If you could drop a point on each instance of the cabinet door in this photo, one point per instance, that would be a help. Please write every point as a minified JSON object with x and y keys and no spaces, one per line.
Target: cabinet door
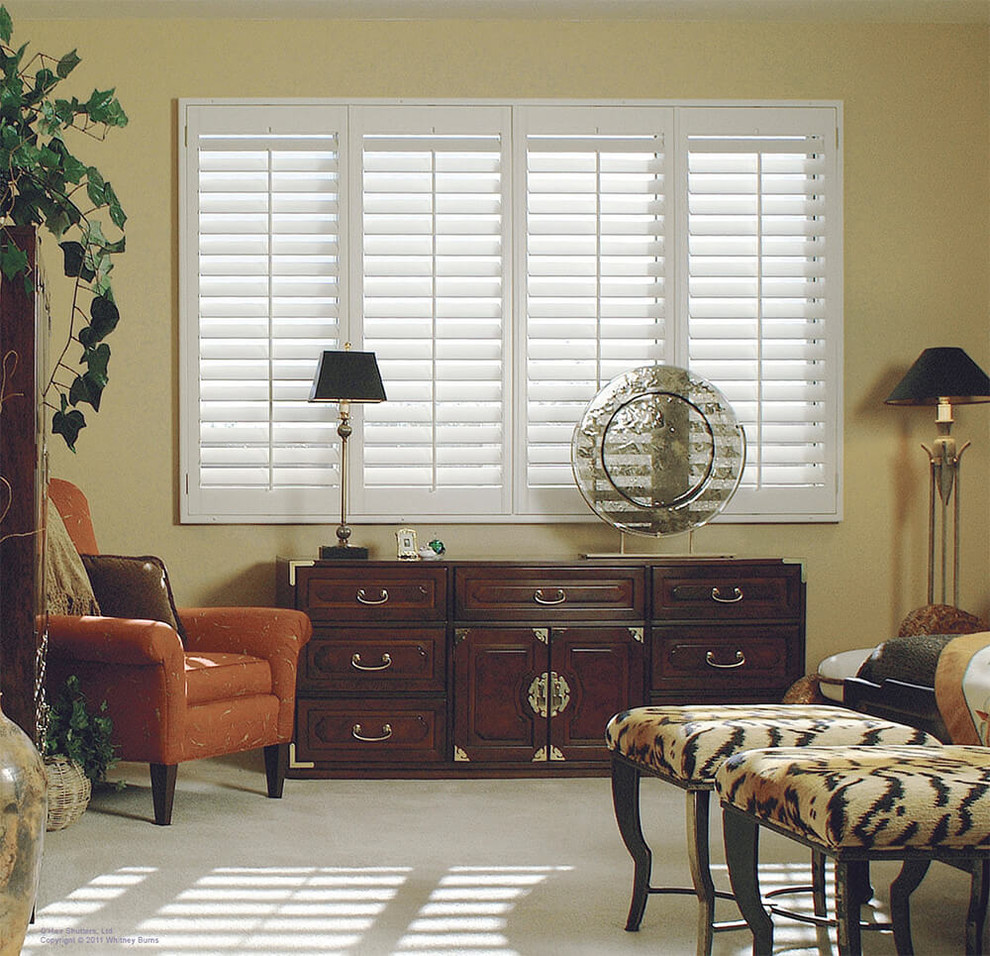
{"x":595,"y":672}
{"x":497,"y":694}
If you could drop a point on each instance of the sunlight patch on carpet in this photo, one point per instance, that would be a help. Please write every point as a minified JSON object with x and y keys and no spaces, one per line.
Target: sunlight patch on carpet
{"x":292,"y":911}
{"x":468,"y":911}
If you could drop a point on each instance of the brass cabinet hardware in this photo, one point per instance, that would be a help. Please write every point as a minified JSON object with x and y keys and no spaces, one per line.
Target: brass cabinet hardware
{"x":460,"y":755}
{"x":537,"y":695}
{"x":558,"y":598}
{"x":357,"y":732}
{"x":555,"y":754}
{"x":636,"y":633}
{"x":362,"y":597}
{"x":542,"y":634}
{"x":549,"y":694}
{"x":560,"y":694}
{"x":540,"y":755}
{"x":358,"y":666}
{"x":295,"y":763}
{"x":737,"y":596}
{"x":739,"y":661}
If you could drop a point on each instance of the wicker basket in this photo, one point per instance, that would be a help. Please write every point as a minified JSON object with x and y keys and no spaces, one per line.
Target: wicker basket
{"x":69,"y":790}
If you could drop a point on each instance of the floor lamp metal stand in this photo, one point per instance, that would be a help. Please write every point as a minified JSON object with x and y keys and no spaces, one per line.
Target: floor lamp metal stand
{"x":944,"y":478}
{"x":943,"y":377}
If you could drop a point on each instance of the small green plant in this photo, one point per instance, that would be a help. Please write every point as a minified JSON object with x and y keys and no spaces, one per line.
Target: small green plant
{"x":79,"y":735}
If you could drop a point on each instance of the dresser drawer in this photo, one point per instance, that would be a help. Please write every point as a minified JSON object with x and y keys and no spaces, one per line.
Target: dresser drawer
{"x":371,"y":731}
{"x":513,"y":593}
{"x":376,"y":660}
{"x":739,"y":591}
{"x":708,"y":660}
{"x":332,"y":594}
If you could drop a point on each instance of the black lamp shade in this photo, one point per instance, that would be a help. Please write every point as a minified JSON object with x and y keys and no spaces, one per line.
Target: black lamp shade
{"x":942,"y":373}
{"x":346,"y":376}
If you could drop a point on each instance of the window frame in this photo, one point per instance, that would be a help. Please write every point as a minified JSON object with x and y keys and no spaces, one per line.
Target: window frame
{"x":321,"y":505}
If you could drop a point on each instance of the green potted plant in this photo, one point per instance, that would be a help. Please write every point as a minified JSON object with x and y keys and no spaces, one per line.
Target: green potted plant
{"x":78,"y":753}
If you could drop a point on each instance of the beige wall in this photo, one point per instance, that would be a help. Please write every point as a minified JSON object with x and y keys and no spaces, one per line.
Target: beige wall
{"x":917,"y":200}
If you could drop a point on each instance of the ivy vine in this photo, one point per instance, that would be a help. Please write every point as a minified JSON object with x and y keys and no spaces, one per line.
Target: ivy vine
{"x":42,"y":184}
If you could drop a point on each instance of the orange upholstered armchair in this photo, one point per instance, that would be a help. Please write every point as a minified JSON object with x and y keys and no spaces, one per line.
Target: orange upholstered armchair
{"x":225,"y":684}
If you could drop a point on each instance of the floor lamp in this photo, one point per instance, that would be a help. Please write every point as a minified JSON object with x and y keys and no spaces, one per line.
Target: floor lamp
{"x":943,"y":377}
{"x":345,"y":377}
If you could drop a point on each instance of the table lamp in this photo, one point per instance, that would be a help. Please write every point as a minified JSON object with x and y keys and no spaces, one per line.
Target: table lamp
{"x":943,"y":377}
{"x":345,"y":377}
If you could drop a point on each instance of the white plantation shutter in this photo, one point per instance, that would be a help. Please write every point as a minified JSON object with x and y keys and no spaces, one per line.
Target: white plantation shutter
{"x":433,"y":309}
{"x":761,"y":282}
{"x":265,"y":293}
{"x":503,"y":261}
{"x":595,"y":273}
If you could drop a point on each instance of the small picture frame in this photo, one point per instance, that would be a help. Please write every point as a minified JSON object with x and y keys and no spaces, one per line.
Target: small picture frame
{"x":406,"y":544}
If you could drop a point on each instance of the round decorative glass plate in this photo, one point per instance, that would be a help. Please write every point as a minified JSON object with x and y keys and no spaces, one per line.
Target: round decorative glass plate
{"x":658,"y":451}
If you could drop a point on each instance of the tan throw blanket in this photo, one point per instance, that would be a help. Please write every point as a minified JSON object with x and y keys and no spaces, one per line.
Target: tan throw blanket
{"x":962,"y":688}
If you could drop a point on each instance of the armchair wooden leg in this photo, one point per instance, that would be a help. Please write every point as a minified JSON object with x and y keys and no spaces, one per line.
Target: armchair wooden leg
{"x":163,"y":791}
{"x":276,"y":763}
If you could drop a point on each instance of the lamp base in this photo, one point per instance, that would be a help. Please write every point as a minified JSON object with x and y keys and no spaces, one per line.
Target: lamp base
{"x":338,"y":552}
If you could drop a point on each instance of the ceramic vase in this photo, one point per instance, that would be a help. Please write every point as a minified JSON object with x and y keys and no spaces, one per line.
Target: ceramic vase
{"x":23,"y":813}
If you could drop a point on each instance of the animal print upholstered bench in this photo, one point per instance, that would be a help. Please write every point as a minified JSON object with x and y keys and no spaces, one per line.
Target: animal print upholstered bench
{"x":685,"y":745}
{"x":856,"y":805}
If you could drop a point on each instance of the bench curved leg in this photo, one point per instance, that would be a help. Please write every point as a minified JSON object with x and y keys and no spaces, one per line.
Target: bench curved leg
{"x":907,"y":881}
{"x":625,"y":800}
{"x":859,"y":882}
{"x":847,"y":926}
{"x":741,"y":834}
{"x":699,"y":860}
{"x":976,"y":917}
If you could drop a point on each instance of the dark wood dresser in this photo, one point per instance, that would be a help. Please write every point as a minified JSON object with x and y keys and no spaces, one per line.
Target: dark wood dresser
{"x":460,"y":668}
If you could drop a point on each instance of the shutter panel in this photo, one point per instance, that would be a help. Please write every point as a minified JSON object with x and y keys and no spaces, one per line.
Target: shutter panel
{"x":595,"y":273}
{"x":433,"y":311}
{"x":759,"y":289}
{"x":266,"y":297}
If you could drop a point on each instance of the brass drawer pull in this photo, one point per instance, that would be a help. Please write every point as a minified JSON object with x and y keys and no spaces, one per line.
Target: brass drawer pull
{"x":737,"y":596}
{"x":358,"y":666}
{"x":739,"y":661}
{"x":558,"y":599}
{"x":362,"y":597}
{"x":356,"y":733}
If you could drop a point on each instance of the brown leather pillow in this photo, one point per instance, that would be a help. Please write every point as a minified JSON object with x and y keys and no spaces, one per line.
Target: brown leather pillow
{"x":133,"y":587}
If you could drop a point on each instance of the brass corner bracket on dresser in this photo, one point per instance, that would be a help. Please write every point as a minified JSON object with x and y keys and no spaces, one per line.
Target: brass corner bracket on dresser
{"x":444,"y":668}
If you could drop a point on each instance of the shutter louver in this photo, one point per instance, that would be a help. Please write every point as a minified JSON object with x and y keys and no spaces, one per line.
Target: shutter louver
{"x":595,"y":279}
{"x":433,"y":312}
{"x":756,"y":299}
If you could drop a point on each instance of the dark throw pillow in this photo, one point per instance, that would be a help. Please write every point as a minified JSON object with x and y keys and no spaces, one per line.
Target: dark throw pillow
{"x":133,"y":587}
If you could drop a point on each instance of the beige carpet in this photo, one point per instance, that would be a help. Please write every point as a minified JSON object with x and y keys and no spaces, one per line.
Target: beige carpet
{"x":388,"y":867}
